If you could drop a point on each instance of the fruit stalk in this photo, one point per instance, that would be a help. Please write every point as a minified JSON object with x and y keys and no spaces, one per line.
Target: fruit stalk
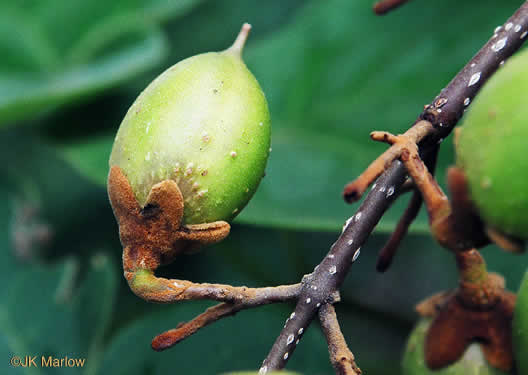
{"x":478,"y":289}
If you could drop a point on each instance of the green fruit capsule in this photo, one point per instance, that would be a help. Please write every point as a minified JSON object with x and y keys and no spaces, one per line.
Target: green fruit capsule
{"x":520,"y":328}
{"x":205,"y":124}
{"x":472,"y":362}
{"x":491,"y":149}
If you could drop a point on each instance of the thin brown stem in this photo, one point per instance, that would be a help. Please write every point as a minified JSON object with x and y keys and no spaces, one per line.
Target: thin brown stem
{"x":471,"y":266}
{"x":477,"y":287}
{"x":183,"y":330}
{"x":388,"y":251}
{"x":262,"y":296}
{"x":385,"y":6}
{"x":407,"y":186}
{"x":341,"y":356}
{"x":355,"y":189}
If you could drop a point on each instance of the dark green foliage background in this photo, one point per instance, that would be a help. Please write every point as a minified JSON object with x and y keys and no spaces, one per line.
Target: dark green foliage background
{"x":332,"y":73}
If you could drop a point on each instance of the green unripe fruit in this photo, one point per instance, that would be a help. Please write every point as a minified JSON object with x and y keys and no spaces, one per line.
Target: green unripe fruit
{"x":491,"y":149}
{"x":520,"y":328}
{"x":205,"y":124}
{"x":471,"y":363}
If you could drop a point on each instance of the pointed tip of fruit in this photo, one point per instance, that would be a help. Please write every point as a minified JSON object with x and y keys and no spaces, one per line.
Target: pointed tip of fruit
{"x":240,"y":41}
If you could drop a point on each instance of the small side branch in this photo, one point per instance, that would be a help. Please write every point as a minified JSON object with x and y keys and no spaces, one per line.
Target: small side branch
{"x":263,"y":296}
{"x":388,"y":251}
{"x":385,"y":6}
{"x":354,"y":190}
{"x":340,"y":355}
{"x":185,"y":329}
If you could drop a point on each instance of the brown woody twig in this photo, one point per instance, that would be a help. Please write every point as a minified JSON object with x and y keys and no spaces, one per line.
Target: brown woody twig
{"x":264,"y":296}
{"x":340,"y":355}
{"x":443,"y":113}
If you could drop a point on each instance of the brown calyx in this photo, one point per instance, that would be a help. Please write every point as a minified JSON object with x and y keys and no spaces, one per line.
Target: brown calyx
{"x":456,"y":326}
{"x":154,"y":234}
{"x":480,"y":310}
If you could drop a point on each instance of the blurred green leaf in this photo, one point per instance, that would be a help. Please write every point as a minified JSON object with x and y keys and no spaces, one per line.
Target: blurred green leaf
{"x":43,"y":189}
{"x":90,"y":157}
{"x":43,"y":313}
{"x":35,"y":320}
{"x":332,"y":75}
{"x":56,"y":52}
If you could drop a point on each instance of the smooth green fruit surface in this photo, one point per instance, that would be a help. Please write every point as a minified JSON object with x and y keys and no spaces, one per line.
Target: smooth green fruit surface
{"x":205,"y":124}
{"x":520,"y":328}
{"x":471,"y":363}
{"x":492,"y":148}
